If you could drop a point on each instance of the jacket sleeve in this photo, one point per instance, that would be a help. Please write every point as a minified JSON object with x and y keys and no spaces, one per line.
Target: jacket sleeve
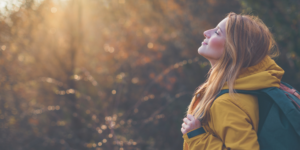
{"x":205,"y":141}
{"x":232,"y":127}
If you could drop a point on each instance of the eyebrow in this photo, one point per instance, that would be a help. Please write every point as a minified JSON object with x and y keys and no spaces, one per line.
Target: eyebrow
{"x":219,"y":28}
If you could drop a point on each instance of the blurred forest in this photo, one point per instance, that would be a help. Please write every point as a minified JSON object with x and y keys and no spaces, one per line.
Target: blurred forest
{"x":115,"y":74}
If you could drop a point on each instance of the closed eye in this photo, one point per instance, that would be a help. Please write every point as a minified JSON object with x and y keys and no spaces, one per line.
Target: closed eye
{"x":217,"y":32}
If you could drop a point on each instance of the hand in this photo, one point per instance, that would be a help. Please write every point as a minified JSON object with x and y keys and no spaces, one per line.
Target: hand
{"x":190,"y":123}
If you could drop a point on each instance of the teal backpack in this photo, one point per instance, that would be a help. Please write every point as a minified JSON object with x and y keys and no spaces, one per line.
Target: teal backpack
{"x":279,"y":117}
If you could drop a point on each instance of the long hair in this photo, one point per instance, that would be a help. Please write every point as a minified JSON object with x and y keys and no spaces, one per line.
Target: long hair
{"x":248,"y":41}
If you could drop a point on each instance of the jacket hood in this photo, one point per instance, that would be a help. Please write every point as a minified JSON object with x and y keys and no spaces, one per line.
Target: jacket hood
{"x":265,"y":74}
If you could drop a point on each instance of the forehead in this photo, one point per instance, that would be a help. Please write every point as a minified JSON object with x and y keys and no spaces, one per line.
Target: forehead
{"x":222,"y":24}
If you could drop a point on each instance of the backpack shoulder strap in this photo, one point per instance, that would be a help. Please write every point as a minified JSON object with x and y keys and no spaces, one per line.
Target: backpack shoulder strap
{"x":254,"y":92}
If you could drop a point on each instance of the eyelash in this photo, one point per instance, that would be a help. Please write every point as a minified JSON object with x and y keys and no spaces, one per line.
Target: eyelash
{"x":217,"y":32}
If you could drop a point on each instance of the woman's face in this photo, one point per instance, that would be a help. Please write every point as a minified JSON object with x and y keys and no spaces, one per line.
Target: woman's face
{"x":213,"y":45}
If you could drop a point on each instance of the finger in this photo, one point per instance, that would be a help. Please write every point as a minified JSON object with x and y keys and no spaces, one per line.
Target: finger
{"x":186,"y":126}
{"x":186,"y":120}
{"x":183,"y":131}
{"x":190,"y":117}
{"x":183,"y":124}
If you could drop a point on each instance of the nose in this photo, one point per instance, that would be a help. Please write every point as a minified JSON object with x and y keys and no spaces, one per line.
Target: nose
{"x":206,"y":34}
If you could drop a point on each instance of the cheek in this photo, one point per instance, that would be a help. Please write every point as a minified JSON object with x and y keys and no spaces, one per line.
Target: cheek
{"x":216,"y":44}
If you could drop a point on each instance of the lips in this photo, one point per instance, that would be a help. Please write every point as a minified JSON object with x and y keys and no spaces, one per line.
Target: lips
{"x":204,"y":43}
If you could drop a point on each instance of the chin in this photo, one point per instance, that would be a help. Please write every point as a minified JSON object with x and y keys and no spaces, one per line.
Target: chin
{"x":206,"y":56}
{"x":202,"y":52}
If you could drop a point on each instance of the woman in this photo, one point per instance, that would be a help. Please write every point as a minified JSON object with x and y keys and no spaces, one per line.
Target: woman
{"x":239,"y":49}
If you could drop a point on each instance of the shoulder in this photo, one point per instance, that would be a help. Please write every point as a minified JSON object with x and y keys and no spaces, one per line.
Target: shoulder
{"x":242,"y":102}
{"x":226,"y":111}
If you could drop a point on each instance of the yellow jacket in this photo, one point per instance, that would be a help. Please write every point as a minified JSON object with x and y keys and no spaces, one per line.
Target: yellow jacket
{"x":233,"y":123}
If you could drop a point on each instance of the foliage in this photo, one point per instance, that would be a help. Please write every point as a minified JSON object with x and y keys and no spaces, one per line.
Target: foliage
{"x":110,"y":74}
{"x":283,"y":19}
